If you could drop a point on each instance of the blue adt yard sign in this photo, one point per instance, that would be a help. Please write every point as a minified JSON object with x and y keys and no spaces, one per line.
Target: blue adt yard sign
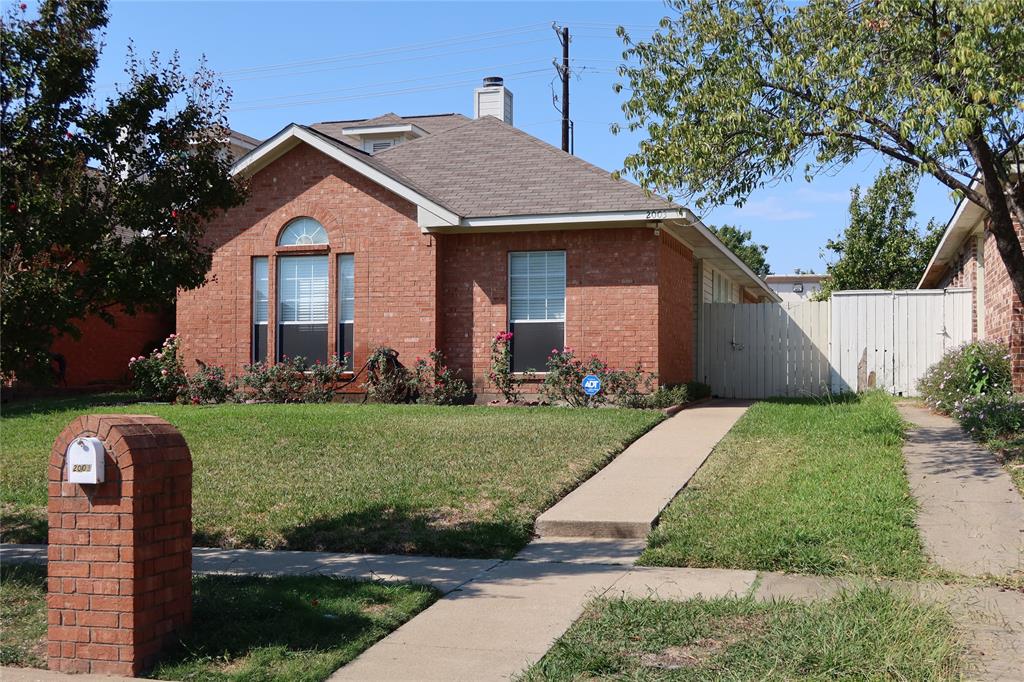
{"x":591,"y":384}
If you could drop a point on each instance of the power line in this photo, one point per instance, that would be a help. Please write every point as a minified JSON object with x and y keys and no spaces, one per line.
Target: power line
{"x":388,"y":93}
{"x":412,"y":47}
{"x":481,"y":69}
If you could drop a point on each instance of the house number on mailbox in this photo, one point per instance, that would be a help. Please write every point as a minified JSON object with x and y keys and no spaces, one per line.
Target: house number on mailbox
{"x":85,"y":460}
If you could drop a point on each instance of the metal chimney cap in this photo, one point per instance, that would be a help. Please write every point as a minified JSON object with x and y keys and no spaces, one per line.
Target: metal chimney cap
{"x":494,"y":82}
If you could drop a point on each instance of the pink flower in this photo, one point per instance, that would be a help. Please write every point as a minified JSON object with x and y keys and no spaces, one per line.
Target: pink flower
{"x":173,"y":336}
{"x":159,"y":356}
{"x":163,"y":372}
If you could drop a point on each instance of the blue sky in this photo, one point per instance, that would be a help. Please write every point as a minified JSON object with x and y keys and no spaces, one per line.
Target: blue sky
{"x":320,"y":61}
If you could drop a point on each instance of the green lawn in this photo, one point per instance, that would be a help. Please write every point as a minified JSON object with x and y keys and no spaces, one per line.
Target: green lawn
{"x":23,"y":615}
{"x":870,"y":634}
{"x":801,"y":486}
{"x":459,"y":481}
{"x":243,"y":628}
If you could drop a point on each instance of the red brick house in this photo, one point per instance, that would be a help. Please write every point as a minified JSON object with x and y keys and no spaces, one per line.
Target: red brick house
{"x":440,"y":232}
{"x":967,"y":257}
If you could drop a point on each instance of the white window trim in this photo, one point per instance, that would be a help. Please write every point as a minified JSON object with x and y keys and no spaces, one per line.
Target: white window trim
{"x":508,"y":306}
{"x":280,"y":301}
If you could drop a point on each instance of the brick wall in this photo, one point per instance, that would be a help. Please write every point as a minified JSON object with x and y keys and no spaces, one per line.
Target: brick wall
{"x":395,"y":264}
{"x":676,"y":343}
{"x":120,"y":552}
{"x":1004,"y":311}
{"x":101,"y":354}
{"x":415,"y":291}
{"x":611,"y":301}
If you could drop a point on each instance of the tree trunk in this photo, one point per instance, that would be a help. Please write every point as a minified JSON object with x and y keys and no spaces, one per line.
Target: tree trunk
{"x":1001,"y":212}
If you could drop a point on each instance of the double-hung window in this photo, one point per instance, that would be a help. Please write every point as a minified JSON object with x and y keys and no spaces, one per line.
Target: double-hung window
{"x":302,"y":295}
{"x":536,"y":285}
{"x":260,"y":309}
{"x":346,"y":308}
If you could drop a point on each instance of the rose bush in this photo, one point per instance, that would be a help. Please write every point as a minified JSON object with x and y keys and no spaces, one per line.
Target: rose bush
{"x":160,"y":375}
{"x":979,"y":368}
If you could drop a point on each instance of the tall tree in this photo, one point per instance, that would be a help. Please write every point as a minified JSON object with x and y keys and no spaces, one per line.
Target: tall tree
{"x":735,"y":94}
{"x":882,"y":247}
{"x":103,"y":202}
{"x":742,"y":244}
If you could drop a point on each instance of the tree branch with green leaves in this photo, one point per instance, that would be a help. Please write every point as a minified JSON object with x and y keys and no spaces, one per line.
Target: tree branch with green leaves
{"x":736,"y":95}
{"x":104,"y":201}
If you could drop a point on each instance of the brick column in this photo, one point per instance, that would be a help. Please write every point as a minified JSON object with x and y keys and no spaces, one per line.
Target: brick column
{"x":120,"y":552}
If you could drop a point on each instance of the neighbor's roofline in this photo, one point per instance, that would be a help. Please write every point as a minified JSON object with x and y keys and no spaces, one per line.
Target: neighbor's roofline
{"x":954,"y":230}
{"x":736,"y":260}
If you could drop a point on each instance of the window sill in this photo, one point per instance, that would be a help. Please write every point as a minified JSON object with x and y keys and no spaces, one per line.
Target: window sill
{"x":303,"y":248}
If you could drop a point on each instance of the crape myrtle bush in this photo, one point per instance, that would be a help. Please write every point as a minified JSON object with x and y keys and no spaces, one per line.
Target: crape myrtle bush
{"x":975,"y":369}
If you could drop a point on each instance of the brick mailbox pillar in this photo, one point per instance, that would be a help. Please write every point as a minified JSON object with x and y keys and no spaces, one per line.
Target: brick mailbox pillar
{"x":120,"y":553}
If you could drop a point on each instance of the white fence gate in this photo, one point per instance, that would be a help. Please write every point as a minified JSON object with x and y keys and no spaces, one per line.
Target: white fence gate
{"x":858,"y":340}
{"x":887,"y":339}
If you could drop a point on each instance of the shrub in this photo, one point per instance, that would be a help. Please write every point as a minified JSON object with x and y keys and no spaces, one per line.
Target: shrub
{"x":992,"y":416}
{"x":564,"y":379}
{"x":668,"y":396}
{"x":160,"y":376}
{"x":387,"y":379}
{"x":695,"y":390}
{"x":281,"y":382}
{"x":206,"y":386}
{"x":979,"y":368}
{"x":438,"y":383}
{"x":629,"y":388}
{"x":322,"y":379}
{"x":501,"y":374}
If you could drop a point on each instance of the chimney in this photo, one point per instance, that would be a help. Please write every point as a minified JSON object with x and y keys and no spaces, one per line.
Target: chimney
{"x":493,"y":99}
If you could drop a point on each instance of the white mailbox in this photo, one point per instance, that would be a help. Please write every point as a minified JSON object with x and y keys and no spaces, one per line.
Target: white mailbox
{"x":85,"y":460}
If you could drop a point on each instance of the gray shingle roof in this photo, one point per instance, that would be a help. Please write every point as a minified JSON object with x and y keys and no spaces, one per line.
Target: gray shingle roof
{"x":433,"y":124}
{"x":483,"y":168}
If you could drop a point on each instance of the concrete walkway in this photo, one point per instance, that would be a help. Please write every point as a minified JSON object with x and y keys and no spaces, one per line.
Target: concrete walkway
{"x":624,"y":499}
{"x":971,"y":516}
{"x":441,"y":573}
{"x":494,"y":625}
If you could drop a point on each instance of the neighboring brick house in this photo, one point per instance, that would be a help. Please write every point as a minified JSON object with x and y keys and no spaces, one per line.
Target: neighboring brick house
{"x":99,"y":357}
{"x":440,"y":232}
{"x":967,"y":257}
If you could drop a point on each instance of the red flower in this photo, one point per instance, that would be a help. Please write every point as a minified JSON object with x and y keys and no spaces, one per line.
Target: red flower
{"x":174,"y":213}
{"x":12,"y":207}
{"x":23,"y":7}
{"x":69,"y":134}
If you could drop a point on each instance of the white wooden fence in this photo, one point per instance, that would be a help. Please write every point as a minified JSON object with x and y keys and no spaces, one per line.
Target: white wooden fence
{"x":858,"y":340}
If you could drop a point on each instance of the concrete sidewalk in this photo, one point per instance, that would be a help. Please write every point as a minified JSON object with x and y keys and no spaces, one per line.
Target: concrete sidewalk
{"x":971,"y":516}
{"x":495,"y":625}
{"x":625,"y":499}
{"x":440,"y":573}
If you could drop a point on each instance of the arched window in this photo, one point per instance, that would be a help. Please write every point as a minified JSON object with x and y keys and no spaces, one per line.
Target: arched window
{"x":302,"y":232}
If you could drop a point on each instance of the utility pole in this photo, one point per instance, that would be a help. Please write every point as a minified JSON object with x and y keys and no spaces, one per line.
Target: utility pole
{"x":564,"y":73}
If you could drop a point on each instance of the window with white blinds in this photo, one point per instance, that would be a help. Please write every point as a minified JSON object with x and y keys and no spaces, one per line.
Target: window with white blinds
{"x":260,"y":308}
{"x":302,"y":287}
{"x":536,"y":286}
{"x":346,"y":308}
{"x":346,"y":288}
{"x":536,"y":308}
{"x":260,"y":291}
